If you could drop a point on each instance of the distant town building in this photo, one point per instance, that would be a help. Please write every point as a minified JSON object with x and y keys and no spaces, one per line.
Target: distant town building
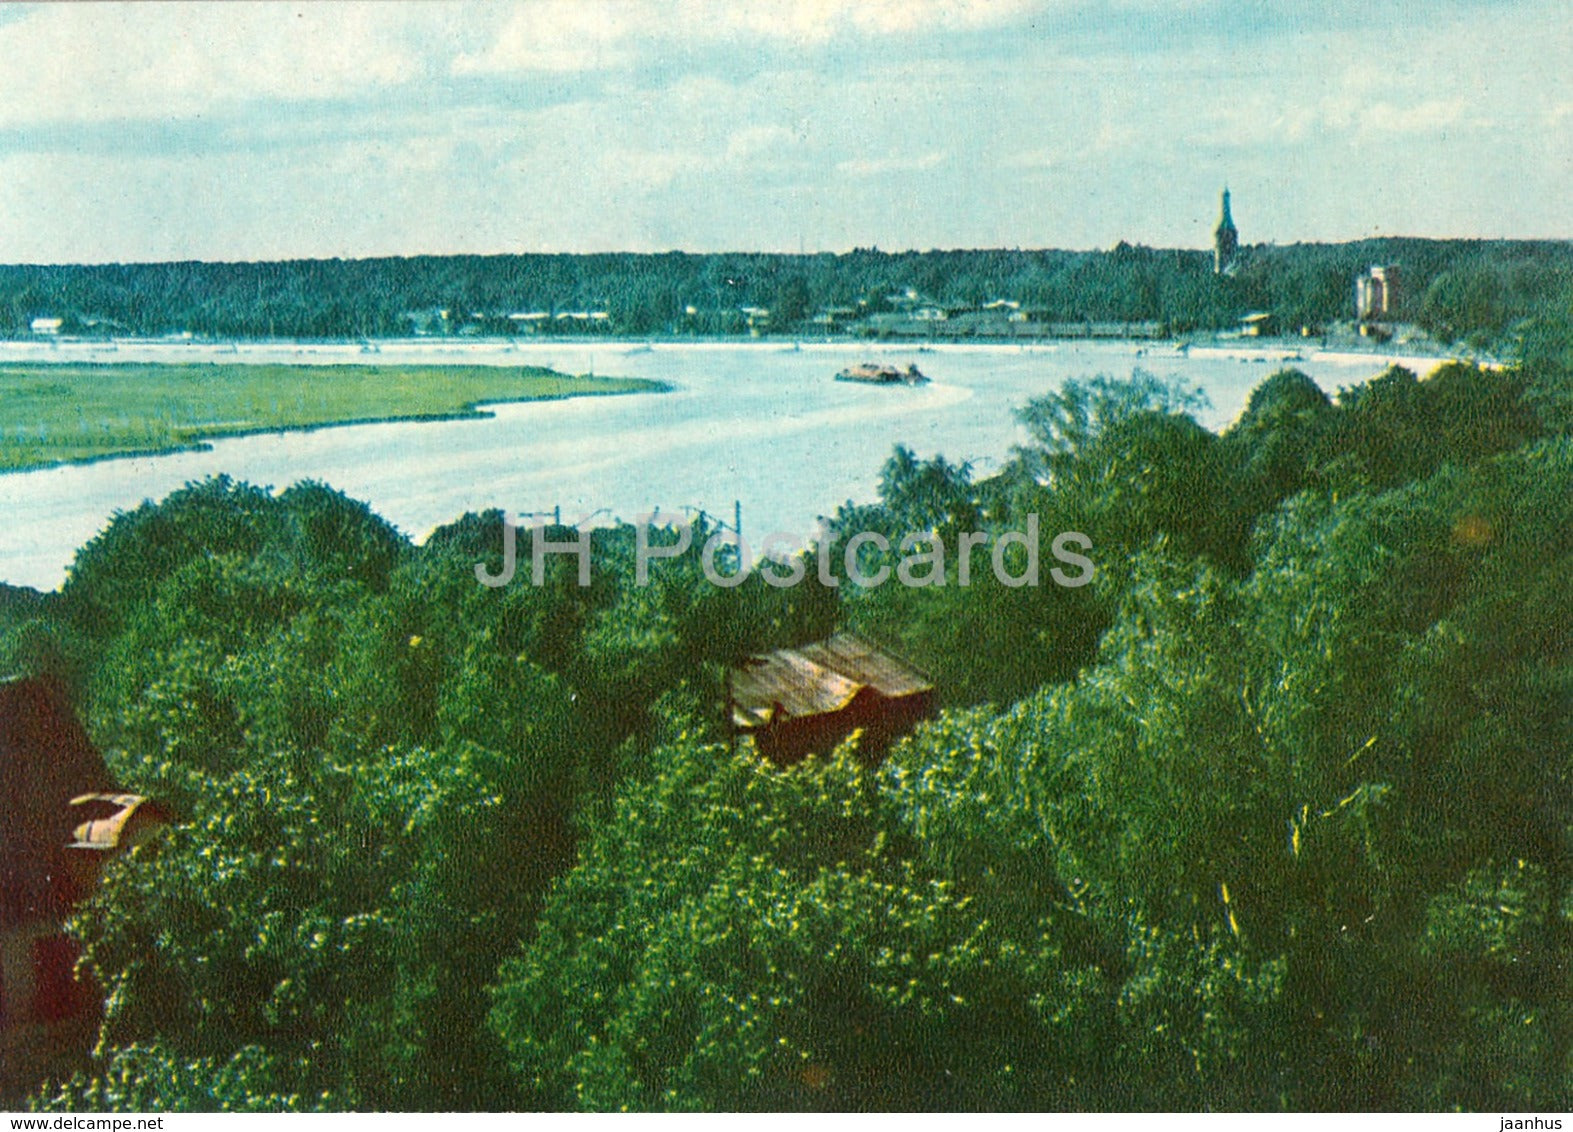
{"x":1257,"y":324}
{"x":1226,"y":241}
{"x":1376,"y":293}
{"x":833,"y":317}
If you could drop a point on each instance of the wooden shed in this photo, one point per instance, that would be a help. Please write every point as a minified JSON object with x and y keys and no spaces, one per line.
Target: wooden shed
{"x":62,"y":820}
{"x":46,"y":760}
{"x":803,"y":701}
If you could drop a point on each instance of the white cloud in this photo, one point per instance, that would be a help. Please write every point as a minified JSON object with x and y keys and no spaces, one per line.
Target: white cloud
{"x":756,"y":143}
{"x":1432,"y":115}
{"x":1031,"y":159}
{"x":577,"y":35}
{"x":560,"y":36}
{"x":648,"y":168}
{"x":97,"y":62}
{"x":884,"y":17}
{"x":884,"y":166}
{"x":242,"y":130}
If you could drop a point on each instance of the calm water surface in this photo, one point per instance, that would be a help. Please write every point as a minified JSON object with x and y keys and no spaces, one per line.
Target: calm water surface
{"x":760,"y":423}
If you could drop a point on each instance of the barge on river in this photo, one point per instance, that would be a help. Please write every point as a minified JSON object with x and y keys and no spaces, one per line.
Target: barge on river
{"x":870,"y":373}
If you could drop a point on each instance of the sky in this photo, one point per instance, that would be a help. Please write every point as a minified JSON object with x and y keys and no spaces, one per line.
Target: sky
{"x":242,"y":131}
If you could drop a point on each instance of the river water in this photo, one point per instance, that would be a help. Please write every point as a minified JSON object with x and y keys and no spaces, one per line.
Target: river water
{"x":760,"y":424}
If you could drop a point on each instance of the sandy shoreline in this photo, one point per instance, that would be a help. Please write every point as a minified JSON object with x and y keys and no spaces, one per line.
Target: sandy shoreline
{"x":512,"y":351}
{"x":1421,"y":364}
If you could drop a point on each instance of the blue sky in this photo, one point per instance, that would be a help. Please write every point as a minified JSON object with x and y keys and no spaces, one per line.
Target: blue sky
{"x":261,"y":131}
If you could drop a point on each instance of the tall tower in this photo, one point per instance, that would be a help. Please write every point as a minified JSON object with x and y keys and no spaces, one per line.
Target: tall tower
{"x":1226,"y":241}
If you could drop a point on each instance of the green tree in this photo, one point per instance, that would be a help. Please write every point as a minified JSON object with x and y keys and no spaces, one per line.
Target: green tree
{"x":740,"y":938}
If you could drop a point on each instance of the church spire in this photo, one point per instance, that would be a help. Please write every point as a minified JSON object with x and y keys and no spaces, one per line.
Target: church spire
{"x":1226,"y":241}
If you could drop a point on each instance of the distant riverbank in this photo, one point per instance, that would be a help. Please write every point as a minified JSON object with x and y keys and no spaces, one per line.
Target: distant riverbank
{"x":80,"y":412}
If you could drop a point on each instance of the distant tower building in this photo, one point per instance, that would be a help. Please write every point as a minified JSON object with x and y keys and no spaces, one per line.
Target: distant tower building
{"x":1226,"y":241}
{"x":1376,"y":293}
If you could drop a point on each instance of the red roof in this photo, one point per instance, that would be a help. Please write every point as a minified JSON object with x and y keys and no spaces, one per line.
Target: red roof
{"x":46,"y":760}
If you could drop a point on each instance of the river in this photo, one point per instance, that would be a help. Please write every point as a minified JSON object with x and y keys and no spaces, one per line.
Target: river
{"x":761,"y":424}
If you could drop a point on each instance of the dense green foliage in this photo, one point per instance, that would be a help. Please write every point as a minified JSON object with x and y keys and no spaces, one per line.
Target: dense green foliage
{"x":59,"y":413}
{"x":1273,"y":813}
{"x":1455,"y":289}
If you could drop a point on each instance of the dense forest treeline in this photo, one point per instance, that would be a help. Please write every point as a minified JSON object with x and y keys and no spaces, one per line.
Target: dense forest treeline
{"x":1274,"y":814}
{"x":1454,"y":289}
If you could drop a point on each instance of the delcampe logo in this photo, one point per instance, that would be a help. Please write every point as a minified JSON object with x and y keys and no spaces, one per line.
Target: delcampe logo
{"x":781,"y":564}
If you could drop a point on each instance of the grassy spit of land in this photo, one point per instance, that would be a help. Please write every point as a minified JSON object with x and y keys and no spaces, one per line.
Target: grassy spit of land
{"x":56,"y":414}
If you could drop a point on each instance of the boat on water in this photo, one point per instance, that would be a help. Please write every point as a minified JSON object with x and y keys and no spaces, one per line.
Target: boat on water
{"x":870,"y":373}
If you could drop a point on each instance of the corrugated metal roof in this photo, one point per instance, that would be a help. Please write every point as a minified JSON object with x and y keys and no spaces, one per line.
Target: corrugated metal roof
{"x":855,"y":658}
{"x":817,"y":679}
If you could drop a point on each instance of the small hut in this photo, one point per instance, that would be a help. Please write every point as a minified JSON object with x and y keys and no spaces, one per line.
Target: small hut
{"x":46,"y":760}
{"x":803,"y":701}
{"x":62,"y":820}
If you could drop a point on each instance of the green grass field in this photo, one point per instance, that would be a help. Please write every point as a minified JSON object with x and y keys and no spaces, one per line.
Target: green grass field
{"x":53,"y":414}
